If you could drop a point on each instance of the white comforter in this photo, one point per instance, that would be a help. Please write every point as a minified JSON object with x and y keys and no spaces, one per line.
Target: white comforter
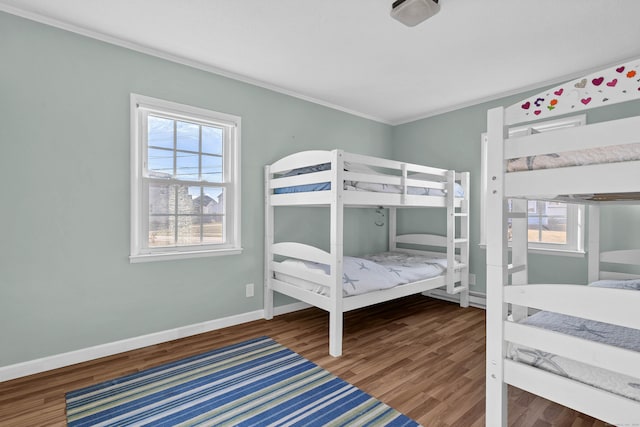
{"x":372,"y":273}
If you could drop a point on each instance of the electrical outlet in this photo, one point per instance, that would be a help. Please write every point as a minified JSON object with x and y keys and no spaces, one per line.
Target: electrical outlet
{"x":472,"y":279}
{"x":248,"y":290}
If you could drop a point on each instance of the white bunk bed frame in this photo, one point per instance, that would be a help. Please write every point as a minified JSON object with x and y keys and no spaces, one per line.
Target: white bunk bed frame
{"x":509,"y":295}
{"x":456,"y":278}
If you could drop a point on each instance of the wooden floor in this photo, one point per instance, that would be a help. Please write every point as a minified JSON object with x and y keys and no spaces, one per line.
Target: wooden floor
{"x":422,"y":356}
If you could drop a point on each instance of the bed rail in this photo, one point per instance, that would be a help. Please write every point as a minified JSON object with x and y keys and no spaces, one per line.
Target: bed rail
{"x":301,"y":159}
{"x":616,"y":359}
{"x":601,"y":404}
{"x":588,"y":302}
{"x":625,"y":131}
{"x":301,"y":251}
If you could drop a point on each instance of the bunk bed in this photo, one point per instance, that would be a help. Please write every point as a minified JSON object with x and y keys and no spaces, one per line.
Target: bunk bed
{"x":528,"y":343}
{"x":337,"y":180}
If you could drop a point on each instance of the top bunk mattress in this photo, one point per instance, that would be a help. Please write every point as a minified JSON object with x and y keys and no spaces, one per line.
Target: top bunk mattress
{"x":609,"y":154}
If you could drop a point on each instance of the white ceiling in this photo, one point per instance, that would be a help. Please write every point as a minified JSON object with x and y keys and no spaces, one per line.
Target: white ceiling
{"x":353,"y":56}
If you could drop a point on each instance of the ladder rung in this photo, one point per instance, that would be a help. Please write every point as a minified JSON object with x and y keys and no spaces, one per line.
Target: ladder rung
{"x":517,"y":215}
{"x":516,"y":268}
{"x":457,"y":289}
{"x":461,"y":214}
{"x":456,"y":241}
{"x":460,"y":266}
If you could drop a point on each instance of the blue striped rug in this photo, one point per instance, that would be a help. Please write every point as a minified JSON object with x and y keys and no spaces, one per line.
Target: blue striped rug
{"x":255,"y":383}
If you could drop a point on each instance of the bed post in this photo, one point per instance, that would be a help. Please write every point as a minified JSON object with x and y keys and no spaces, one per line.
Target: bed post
{"x":496,"y":389}
{"x":336,"y":243}
{"x":268,"y":242}
{"x":393,"y":229}
{"x":594,"y":243}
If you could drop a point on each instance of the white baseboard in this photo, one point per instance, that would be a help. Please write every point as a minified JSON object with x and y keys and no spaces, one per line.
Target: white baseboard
{"x":475,"y":300}
{"x":48,"y":363}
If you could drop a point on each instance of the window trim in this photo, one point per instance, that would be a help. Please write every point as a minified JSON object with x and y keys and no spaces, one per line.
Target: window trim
{"x":141,"y":105}
{"x":575,"y":212}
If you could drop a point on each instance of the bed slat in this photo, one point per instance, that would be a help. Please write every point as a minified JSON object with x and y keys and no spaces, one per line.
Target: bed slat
{"x":591,"y":179}
{"x":298,"y":273}
{"x":422,"y":239}
{"x":628,"y":256}
{"x":615,"y":359}
{"x":307,"y":178}
{"x":575,"y":138}
{"x":301,"y":251}
{"x":610,"y":407}
{"x":301,"y":159}
{"x":615,"y":306}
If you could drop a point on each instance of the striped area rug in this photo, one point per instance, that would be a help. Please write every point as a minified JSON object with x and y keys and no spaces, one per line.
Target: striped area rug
{"x":255,"y":383}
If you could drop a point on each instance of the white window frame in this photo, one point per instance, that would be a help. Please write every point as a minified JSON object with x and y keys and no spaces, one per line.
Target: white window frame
{"x":574,"y":245}
{"x":141,"y":106}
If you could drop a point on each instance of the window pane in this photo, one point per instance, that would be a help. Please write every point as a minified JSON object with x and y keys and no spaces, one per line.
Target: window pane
{"x":187,"y":166}
{"x":161,"y":199}
{"x":212,"y":227}
{"x":188,"y":230}
{"x":161,"y":231}
{"x":188,"y":136}
{"x":547,"y":222}
{"x":211,"y":140}
{"x":160,"y":132}
{"x":160,"y":163}
{"x":211,"y":168}
{"x":213,"y":201}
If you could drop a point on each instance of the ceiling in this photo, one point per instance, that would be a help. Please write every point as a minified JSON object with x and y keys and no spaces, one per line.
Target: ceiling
{"x":351,"y":55}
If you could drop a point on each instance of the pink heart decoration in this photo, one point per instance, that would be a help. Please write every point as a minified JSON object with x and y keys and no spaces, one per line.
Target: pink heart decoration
{"x":585,"y":101}
{"x":612,"y":83}
{"x":537,"y":112}
{"x":526,"y":105}
{"x":597,"y":81}
{"x":620,"y":69}
{"x":559,"y":92}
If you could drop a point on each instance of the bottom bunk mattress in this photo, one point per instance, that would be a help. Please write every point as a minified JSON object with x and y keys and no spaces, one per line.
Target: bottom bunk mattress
{"x":604,"y":333}
{"x":370,"y":273}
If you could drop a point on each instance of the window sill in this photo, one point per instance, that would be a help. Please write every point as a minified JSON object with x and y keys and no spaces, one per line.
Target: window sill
{"x":545,"y":251}
{"x":176,"y":255}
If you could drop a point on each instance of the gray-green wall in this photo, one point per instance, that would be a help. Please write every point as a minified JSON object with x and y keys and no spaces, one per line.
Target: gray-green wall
{"x":65,"y":279}
{"x":452,"y":141}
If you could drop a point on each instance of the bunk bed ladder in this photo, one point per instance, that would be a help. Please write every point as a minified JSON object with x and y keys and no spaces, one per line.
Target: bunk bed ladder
{"x":458,"y":239}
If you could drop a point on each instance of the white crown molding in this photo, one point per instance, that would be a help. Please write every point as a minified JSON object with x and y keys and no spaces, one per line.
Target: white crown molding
{"x":56,"y":361}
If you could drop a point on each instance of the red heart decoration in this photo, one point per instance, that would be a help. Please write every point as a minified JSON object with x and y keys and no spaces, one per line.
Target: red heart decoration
{"x":537,"y":112}
{"x":597,"y":81}
{"x":559,"y":92}
{"x":620,"y":69}
{"x":526,"y":105}
{"x":585,"y":101}
{"x":612,"y":83}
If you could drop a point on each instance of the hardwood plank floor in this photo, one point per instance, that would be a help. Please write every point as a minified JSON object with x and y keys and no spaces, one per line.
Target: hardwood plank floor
{"x":422,"y":356}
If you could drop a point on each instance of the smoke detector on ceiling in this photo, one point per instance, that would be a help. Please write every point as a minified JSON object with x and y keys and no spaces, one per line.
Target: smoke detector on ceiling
{"x":413,"y":12}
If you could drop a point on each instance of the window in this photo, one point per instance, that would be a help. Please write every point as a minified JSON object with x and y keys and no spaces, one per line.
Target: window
{"x":185,"y":182}
{"x":552,"y":226}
